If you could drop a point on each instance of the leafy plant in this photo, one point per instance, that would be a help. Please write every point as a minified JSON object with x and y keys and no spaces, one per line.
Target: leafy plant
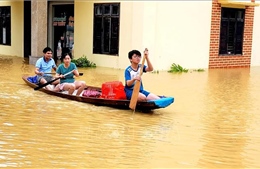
{"x":199,"y":70}
{"x":177,"y":68}
{"x":155,"y":71}
{"x":83,"y":62}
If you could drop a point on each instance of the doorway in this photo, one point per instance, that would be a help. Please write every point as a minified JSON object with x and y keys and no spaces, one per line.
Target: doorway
{"x":61,"y":36}
{"x":27,"y":29}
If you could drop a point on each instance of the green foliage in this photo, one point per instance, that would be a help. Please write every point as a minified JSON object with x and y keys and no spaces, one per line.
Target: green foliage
{"x":199,"y":70}
{"x":177,"y":68}
{"x":83,"y":62}
{"x":155,"y":71}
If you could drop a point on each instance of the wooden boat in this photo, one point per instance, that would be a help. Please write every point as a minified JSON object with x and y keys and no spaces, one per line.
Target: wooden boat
{"x":120,"y":104}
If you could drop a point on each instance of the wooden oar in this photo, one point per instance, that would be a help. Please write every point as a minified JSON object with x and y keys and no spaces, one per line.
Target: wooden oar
{"x":136,"y":90}
{"x":55,"y":73}
{"x":50,"y":82}
{"x":50,"y":73}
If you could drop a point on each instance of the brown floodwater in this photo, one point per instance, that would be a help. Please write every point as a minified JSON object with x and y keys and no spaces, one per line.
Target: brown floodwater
{"x":214,"y":122}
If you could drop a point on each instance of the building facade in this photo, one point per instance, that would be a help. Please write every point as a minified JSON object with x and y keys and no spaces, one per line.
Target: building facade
{"x":193,"y":34}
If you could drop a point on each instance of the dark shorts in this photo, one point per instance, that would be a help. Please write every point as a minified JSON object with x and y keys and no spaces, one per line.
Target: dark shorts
{"x":129,"y":92}
{"x":47,"y":78}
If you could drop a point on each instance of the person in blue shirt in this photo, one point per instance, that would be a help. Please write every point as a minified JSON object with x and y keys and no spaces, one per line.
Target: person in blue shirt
{"x":43,"y":68}
{"x":68,"y":82}
{"x":132,"y":74}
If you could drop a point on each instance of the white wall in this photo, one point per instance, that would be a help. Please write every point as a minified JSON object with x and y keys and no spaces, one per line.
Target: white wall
{"x":16,"y":48}
{"x":255,"y":57}
{"x":183,"y":34}
{"x":173,"y":31}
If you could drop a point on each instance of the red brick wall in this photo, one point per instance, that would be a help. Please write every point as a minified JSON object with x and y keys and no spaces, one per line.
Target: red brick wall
{"x":230,"y":61}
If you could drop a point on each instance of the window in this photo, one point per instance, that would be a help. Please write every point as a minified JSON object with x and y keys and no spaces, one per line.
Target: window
{"x":231,"y":31}
{"x":106,"y":28}
{"x":5,"y":25}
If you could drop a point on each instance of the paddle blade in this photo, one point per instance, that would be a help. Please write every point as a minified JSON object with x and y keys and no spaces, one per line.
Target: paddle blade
{"x":135,"y":94}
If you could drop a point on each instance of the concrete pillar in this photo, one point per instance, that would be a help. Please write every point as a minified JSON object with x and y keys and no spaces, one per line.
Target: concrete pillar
{"x":39,"y":29}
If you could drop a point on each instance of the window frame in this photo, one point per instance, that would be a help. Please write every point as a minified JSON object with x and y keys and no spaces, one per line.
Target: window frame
{"x":237,"y":47}
{"x":105,"y":33}
{"x":5,"y":18}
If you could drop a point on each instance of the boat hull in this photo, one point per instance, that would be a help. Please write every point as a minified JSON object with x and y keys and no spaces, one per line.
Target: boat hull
{"x":119,"y":104}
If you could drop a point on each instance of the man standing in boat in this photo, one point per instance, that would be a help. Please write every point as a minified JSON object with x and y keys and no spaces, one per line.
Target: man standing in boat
{"x":43,"y":68}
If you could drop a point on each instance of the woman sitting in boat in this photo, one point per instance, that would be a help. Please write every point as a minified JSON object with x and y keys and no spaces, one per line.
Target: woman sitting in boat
{"x":68,"y":83}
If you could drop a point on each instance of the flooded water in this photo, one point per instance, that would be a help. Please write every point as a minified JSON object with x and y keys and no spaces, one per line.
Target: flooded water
{"x":214,"y":122}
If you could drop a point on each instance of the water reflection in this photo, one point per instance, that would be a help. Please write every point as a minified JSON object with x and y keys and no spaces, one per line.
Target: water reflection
{"x":226,"y":119}
{"x":214,"y":122}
